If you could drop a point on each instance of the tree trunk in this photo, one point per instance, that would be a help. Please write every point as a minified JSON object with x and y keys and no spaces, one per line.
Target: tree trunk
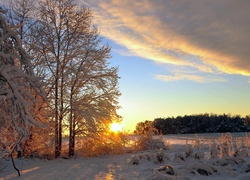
{"x":71,"y":138}
{"x":61,"y":102}
{"x":71,"y":152}
{"x":57,"y":150}
{"x":73,"y":135}
{"x":60,"y":135}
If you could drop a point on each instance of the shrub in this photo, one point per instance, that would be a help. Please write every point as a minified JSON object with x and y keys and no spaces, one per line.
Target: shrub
{"x":108,"y":143}
{"x":148,"y":142}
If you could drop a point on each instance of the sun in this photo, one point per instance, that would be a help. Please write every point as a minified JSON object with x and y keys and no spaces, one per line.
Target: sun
{"x":116,"y":127}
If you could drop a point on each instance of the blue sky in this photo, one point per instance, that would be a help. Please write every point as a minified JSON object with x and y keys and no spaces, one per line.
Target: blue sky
{"x":178,"y":57}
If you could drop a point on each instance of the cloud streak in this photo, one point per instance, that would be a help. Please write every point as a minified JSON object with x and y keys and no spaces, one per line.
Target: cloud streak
{"x":190,"y":77}
{"x":210,"y":36}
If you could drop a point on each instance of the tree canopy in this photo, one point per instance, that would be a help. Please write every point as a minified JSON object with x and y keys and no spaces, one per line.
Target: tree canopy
{"x":199,"y":123}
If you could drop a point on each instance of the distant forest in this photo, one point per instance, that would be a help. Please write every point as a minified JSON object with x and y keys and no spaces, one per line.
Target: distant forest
{"x":201,"y":123}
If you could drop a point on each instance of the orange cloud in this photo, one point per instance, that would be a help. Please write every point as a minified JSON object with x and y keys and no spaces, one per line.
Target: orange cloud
{"x":215,"y":34}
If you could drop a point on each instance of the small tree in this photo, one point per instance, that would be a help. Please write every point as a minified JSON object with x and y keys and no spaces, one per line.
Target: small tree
{"x":20,"y":89}
{"x":143,"y":127}
{"x":247,"y":121}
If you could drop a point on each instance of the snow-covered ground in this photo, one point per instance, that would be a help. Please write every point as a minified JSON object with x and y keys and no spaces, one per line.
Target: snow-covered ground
{"x":171,"y":163}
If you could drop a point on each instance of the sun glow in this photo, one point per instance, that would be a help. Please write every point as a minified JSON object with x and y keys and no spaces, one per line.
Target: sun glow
{"x":116,"y":127}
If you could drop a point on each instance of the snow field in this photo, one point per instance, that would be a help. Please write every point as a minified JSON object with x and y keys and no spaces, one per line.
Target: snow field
{"x":194,"y":158}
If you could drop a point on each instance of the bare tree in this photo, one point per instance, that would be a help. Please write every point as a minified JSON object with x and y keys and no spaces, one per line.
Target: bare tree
{"x":20,"y":13}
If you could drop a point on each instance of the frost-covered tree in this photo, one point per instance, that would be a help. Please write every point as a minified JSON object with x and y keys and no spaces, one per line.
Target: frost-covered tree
{"x":143,"y":127}
{"x":20,"y":89}
{"x":82,"y":88}
{"x":93,"y":92}
{"x":20,"y":14}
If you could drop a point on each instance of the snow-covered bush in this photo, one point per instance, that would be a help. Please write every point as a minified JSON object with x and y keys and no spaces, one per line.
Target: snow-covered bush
{"x":189,"y":150}
{"x":149,"y":141}
{"x":241,"y":153}
{"x":179,"y":157}
{"x":225,"y":144}
{"x":199,"y":155}
{"x":204,"y":169}
{"x":165,"y":172}
{"x":197,"y":143}
{"x":134,"y":160}
{"x":156,"y":157}
{"x":150,"y":144}
{"x":247,"y":141}
{"x":159,"y":157}
{"x":240,"y":142}
{"x":214,"y":151}
{"x":229,"y":161}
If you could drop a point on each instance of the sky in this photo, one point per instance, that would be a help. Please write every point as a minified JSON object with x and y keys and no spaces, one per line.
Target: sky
{"x":177,"y":57}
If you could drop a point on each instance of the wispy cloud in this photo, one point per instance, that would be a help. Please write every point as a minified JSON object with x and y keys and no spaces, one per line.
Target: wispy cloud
{"x":190,"y":77}
{"x":210,"y":36}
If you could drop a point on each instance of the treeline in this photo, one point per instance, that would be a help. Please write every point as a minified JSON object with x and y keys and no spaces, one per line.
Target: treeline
{"x":201,"y":123}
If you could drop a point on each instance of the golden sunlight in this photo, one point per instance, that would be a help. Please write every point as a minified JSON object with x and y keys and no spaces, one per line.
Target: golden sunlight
{"x":116,"y":127}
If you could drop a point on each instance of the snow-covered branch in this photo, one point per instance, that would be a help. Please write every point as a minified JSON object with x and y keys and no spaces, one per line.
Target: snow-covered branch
{"x":19,"y":88}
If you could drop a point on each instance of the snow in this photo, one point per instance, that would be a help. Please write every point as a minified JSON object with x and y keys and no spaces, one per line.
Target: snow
{"x":179,"y":161}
